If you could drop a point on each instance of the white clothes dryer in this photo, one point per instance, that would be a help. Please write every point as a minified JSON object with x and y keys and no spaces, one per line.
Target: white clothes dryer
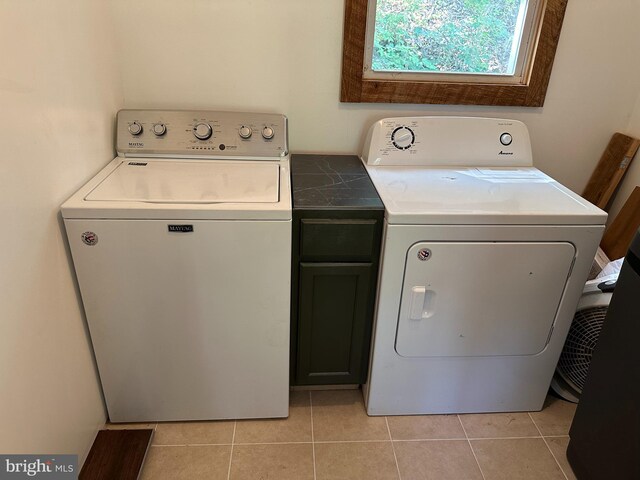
{"x":182,"y":249}
{"x":484,"y":260}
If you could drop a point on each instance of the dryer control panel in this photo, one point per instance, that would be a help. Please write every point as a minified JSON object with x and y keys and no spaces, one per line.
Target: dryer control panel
{"x":201,"y":134}
{"x":448,"y":141}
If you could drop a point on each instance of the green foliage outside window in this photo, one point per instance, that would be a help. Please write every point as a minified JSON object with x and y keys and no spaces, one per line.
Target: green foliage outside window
{"x":457,"y":36}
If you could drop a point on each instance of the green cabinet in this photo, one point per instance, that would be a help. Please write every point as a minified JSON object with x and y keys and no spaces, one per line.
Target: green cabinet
{"x":337,"y":232}
{"x":335,"y":269}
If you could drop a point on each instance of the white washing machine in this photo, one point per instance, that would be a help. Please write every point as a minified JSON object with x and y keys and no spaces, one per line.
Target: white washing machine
{"x":182,"y":248}
{"x":484,"y":260}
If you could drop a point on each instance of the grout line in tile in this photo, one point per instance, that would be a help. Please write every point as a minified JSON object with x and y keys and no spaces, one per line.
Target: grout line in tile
{"x":473,"y":439}
{"x":395,"y":457}
{"x":233,"y":439}
{"x":194,"y":445}
{"x":444,"y":439}
{"x":230,"y":444}
{"x":534,"y":423}
{"x":471,"y":447}
{"x":243,"y":444}
{"x":352,"y":441}
{"x":548,"y":447}
{"x":428,"y":439}
{"x":313,"y":443}
{"x":503,"y":438}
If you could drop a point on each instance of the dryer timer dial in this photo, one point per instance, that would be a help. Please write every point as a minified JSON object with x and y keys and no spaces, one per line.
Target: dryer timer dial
{"x":403,"y":138}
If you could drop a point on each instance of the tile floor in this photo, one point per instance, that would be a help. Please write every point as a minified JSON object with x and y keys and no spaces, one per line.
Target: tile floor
{"x":328,"y":436}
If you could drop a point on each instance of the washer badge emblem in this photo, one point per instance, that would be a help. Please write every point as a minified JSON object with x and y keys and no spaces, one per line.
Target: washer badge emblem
{"x":89,"y":238}
{"x":424,"y":254}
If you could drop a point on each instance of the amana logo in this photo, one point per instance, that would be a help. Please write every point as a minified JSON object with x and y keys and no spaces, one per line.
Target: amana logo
{"x":505,"y":153}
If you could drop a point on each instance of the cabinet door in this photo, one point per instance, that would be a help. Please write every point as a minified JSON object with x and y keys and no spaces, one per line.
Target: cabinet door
{"x":334,"y":304}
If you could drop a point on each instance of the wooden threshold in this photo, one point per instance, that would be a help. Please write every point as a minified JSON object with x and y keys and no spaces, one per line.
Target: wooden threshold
{"x":117,"y":455}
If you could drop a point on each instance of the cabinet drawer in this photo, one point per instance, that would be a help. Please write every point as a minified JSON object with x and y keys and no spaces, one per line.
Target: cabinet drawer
{"x":337,"y":240}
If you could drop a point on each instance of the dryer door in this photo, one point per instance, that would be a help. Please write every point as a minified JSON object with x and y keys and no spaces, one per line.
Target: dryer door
{"x":481,"y":298}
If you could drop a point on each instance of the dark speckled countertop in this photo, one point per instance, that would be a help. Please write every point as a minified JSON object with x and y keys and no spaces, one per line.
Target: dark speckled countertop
{"x":332,"y":181}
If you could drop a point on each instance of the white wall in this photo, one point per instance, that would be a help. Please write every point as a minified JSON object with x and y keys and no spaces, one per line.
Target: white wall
{"x":285,"y":56}
{"x":634,"y":122}
{"x":59,"y":91}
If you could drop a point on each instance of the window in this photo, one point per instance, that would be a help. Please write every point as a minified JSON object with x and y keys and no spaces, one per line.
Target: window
{"x":483,"y":52}
{"x":459,"y":40}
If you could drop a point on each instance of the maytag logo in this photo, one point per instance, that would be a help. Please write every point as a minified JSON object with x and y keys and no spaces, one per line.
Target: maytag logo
{"x":54,"y":467}
{"x":181,"y":228}
{"x":505,"y":153}
{"x":136,"y":144}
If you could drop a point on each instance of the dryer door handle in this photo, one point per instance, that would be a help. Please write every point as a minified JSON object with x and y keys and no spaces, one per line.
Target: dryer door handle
{"x":422,"y":302}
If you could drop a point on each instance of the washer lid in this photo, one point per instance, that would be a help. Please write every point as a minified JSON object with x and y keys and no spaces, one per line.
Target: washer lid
{"x":189,"y":182}
{"x":450,"y":196}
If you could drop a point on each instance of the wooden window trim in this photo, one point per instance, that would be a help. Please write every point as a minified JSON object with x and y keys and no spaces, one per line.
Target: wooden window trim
{"x":355,"y":89}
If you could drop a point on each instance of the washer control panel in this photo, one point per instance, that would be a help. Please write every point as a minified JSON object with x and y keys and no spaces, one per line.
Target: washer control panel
{"x":211,"y":134}
{"x":446,"y":141}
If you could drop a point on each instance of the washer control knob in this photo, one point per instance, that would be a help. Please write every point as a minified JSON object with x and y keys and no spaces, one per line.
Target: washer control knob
{"x":159,"y":129}
{"x":135,"y":128}
{"x":245,"y":132}
{"x":506,"y":139}
{"x":202,"y":131}
{"x":403,"y":138}
{"x":268,"y":133}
